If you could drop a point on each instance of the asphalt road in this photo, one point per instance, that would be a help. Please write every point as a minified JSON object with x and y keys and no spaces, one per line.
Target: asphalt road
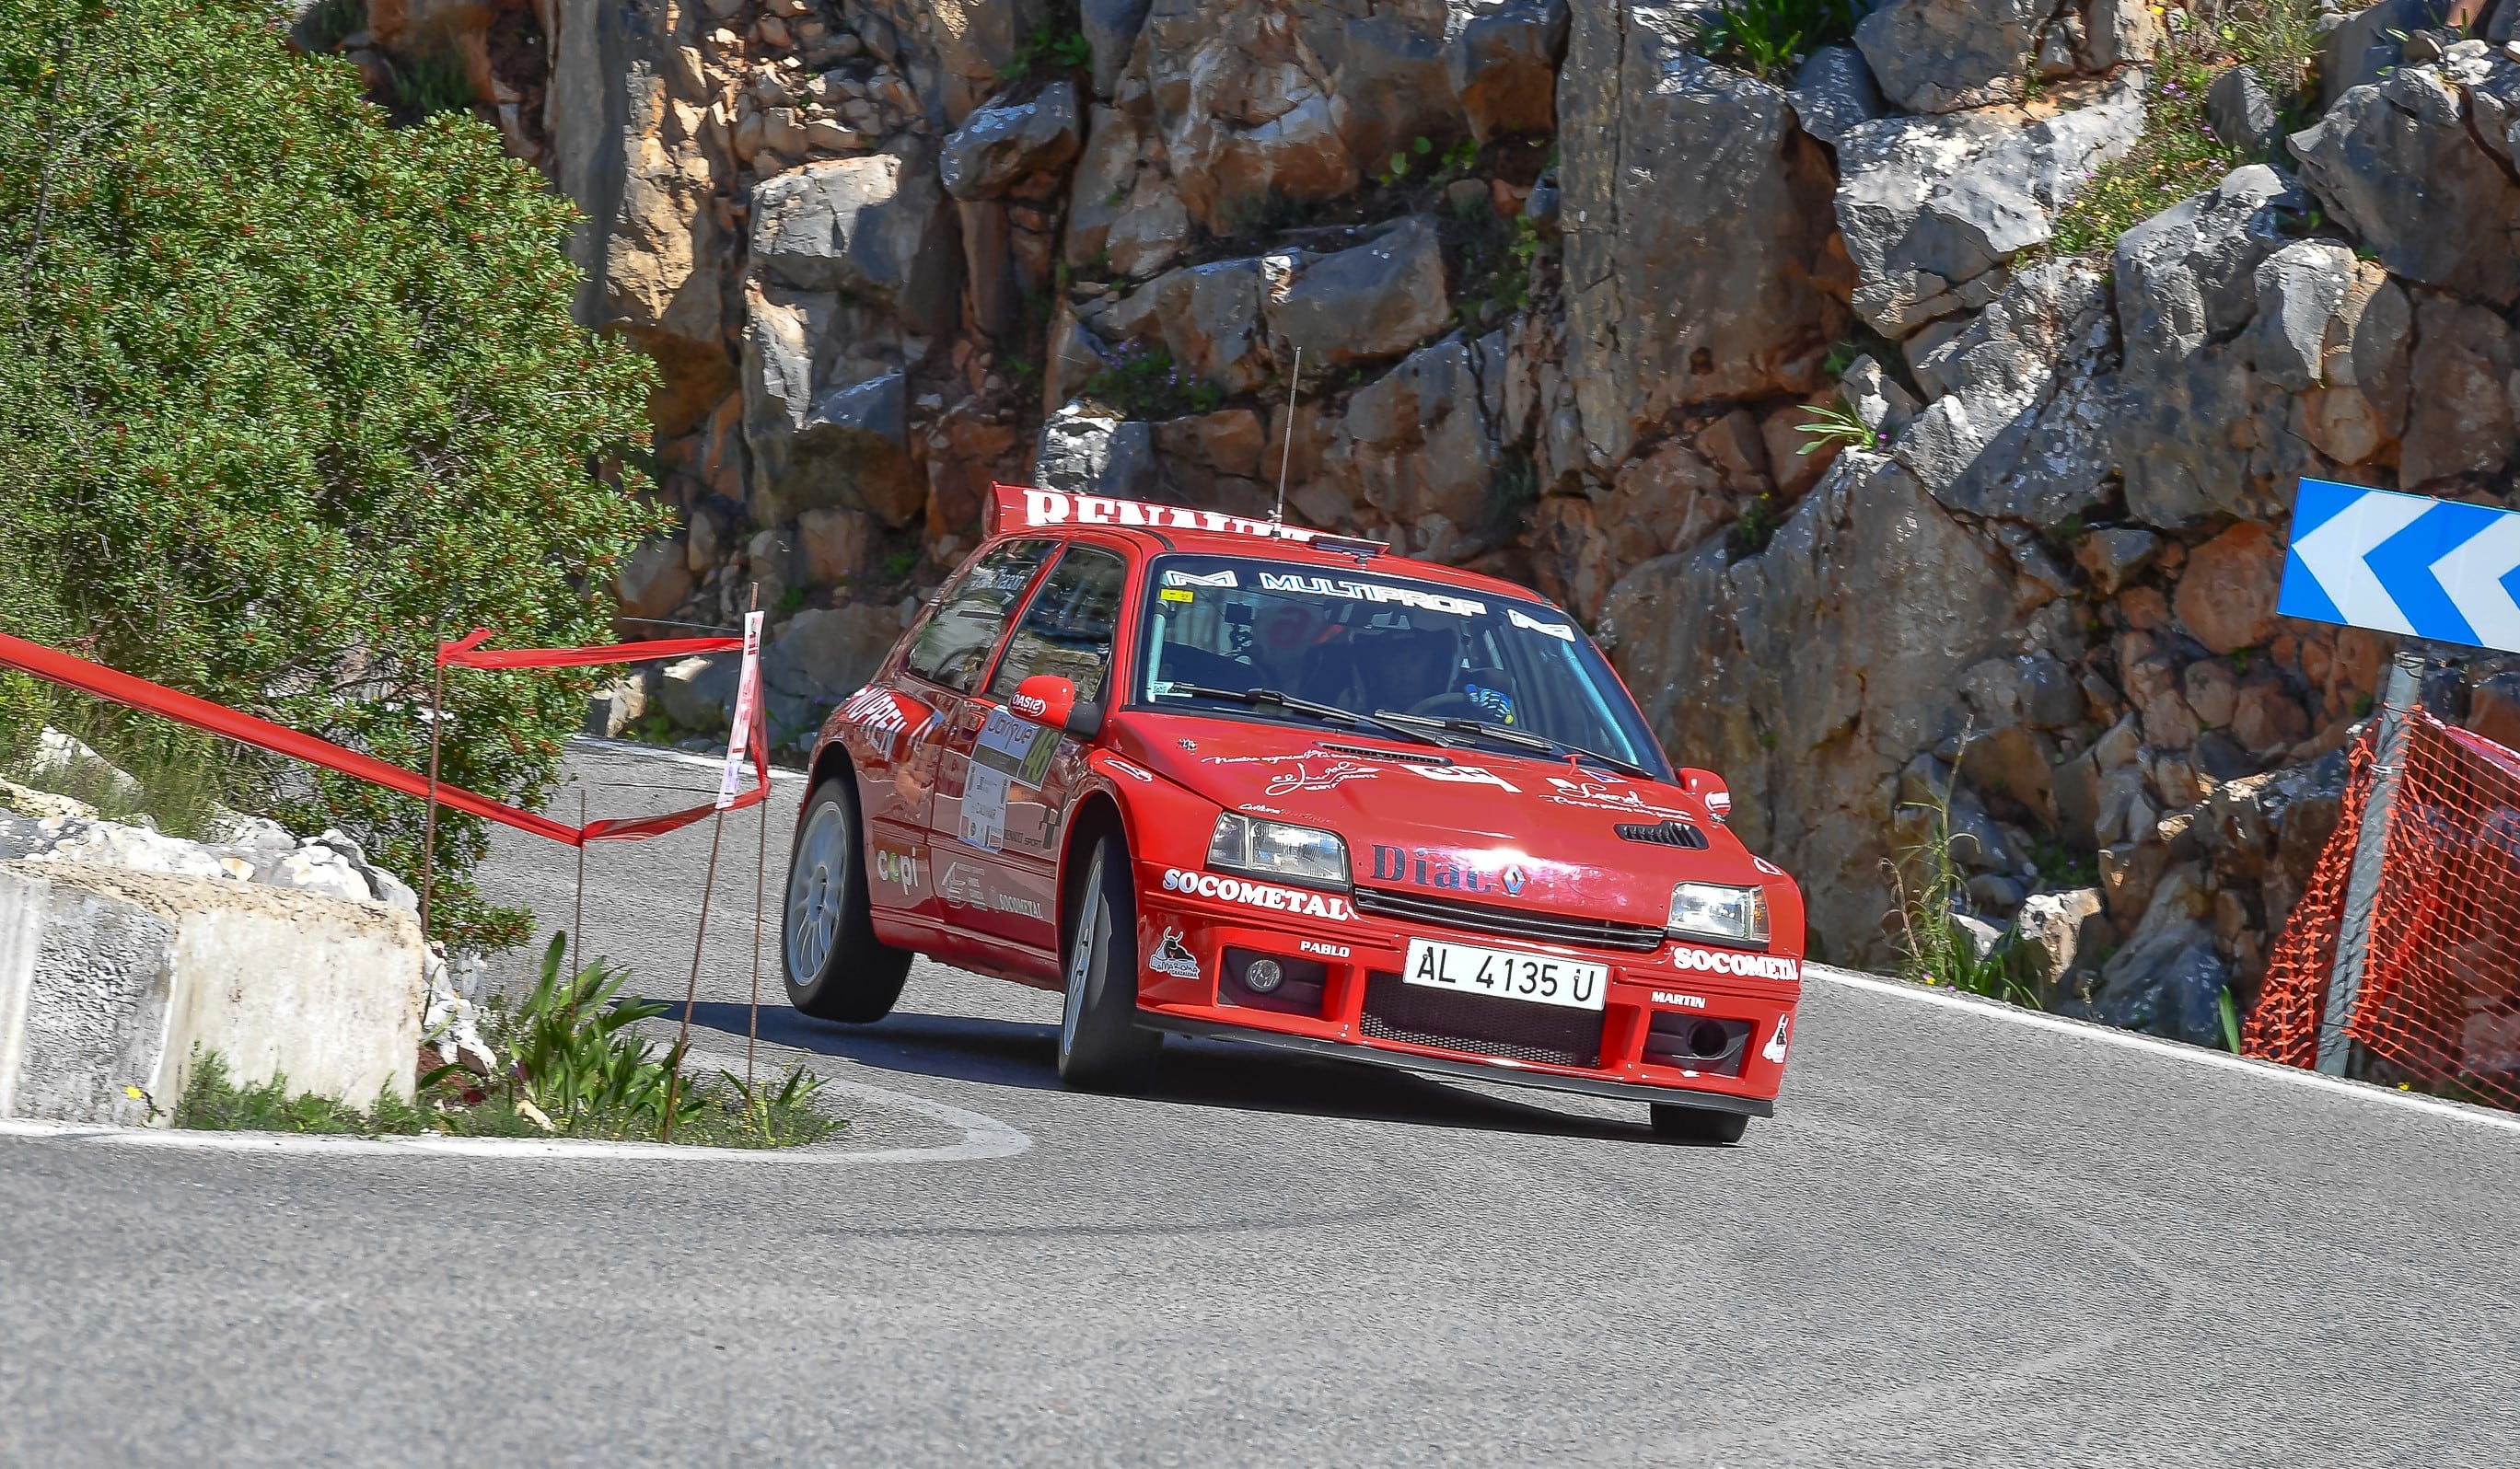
{"x":1961,"y":1241}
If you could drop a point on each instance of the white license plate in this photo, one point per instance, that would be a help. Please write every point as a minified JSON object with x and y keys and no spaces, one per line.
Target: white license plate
{"x":1508,"y":974}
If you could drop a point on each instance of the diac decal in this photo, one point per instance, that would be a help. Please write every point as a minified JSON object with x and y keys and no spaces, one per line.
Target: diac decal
{"x":1427,"y":867}
{"x":1170,"y":957}
{"x":1284,"y":900}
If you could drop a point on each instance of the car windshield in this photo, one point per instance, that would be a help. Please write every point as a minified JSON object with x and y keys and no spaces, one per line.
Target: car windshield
{"x":1441,"y":658}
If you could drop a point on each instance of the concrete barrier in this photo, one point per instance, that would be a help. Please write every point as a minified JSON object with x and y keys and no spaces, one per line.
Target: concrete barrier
{"x":111,"y":978}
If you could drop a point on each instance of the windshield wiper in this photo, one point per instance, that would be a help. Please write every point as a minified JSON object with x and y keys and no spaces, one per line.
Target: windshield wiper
{"x":1528,"y":740}
{"x":1293,"y":705}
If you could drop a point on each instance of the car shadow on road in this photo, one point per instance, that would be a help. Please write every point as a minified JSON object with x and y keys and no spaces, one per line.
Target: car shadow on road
{"x":1192,"y":1073}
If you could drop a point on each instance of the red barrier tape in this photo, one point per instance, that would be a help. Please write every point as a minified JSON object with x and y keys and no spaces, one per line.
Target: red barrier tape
{"x":70,"y":672}
{"x":468,"y":653}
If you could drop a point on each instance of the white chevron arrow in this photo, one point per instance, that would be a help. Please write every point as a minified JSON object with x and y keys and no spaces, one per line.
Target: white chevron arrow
{"x":2334,"y":553}
{"x":2472,"y":575}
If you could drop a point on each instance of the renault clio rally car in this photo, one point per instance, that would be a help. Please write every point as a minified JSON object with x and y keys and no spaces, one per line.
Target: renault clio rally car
{"x":1218,"y":777}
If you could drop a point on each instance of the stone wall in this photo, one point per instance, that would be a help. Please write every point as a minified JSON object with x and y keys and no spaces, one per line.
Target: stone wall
{"x":1565,"y":289}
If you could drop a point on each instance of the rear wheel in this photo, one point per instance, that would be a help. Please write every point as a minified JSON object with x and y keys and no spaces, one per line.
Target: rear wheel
{"x":1100,"y":1047}
{"x":1698,"y":1124}
{"x":836,"y":967}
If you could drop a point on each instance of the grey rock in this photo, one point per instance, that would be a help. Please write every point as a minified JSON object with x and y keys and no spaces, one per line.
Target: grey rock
{"x":1211,"y":321}
{"x":2186,"y":288}
{"x":1700,"y":263}
{"x":1418,"y":447}
{"x":1086,"y":453}
{"x":1876,"y":397}
{"x":1377,"y":299}
{"x":1941,"y":56}
{"x":612,"y":709}
{"x":2242,"y":112}
{"x":2370,"y":45}
{"x":698,"y":692}
{"x":654,"y":579}
{"x":1981,"y":936}
{"x":824,"y":655}
{"x":2021,"y":428}
{"x":875,"y":226}
{"x":2114,"y":555}
{"x":1110,"y":27}
{"x":2168,"y":980}
{"x":2055,"y":930}
{"x":2301,"y":293}
{"x":2397,"y":162}
{"x":2493,"y":98}
{"x":1001,"y":144}
{"x":2461,"y":377}
{"x":1928,"y":203}
{"x":1843,"y":639}
{"x":1501,"y":58}
{"x":2119,"y":33}
{"x":1833,"y":91}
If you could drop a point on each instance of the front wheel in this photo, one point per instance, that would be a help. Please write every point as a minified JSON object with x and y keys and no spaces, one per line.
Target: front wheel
{"x":1100,"y":1047}
{"x":834,"y":966}
{"x":1698,"y":1124}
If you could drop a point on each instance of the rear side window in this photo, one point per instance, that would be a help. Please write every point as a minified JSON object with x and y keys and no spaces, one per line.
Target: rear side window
{"x":1067,"y":630}
{"x":954,"y":647}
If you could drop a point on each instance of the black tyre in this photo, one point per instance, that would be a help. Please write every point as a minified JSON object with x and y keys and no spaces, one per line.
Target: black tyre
{"x":834,"y":966}
{"x":1698,"y":1124}
{"x":1100,"y":1047}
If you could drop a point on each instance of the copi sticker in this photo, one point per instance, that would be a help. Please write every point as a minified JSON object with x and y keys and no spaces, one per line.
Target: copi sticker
{"x":1284,"y":900}
{"x":1731,"y":961}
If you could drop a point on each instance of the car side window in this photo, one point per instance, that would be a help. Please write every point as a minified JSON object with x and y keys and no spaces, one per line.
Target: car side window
{"x":954,"y":647}
{"x":1067,"y":631}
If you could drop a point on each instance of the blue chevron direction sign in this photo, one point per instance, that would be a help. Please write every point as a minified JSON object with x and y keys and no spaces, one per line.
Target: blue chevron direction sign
{"x":2404,"y":564}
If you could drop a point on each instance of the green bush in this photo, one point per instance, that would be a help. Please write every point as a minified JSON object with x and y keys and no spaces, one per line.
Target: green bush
{"x":1143,"y":382}
{"x":1768,"y":38}
{"x":432,"y":83}
{"x":287,"y":393}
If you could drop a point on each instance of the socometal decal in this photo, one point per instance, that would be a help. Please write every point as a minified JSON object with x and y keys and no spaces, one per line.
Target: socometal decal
{"x":1730,"y":961}
{"x":1407,"y":597}
{"x":1284,"y":900}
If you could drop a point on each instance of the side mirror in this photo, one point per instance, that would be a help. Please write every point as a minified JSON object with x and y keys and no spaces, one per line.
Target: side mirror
{"x":1710,"y":789}
{"x":1046,"y":698}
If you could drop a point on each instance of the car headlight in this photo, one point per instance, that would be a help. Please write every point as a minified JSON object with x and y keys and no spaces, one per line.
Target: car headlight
{"x":1274,"y":849}
{"x":1712,"y":910}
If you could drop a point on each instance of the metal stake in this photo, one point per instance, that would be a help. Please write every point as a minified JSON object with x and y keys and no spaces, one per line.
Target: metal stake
{"x":760,"y":891}
{"x":429,"y":821}
{"x":2362,"y":881}
{"x":691,"y":993}
{"x":577,"y":920}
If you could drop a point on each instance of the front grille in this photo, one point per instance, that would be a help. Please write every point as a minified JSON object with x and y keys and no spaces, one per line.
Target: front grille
{"x":1663,"y":834}
{"x":1480,"y":1024}
{"x":1512,"y":922}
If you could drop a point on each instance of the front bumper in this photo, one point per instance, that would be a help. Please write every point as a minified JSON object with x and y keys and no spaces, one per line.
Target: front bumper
{"x":1350,"y":1001}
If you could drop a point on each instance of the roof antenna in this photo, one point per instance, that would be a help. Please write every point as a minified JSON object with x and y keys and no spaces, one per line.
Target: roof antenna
{"x":1286,"y":453}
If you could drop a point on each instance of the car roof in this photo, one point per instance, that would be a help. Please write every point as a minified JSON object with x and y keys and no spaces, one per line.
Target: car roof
{"x":1016,"y":510}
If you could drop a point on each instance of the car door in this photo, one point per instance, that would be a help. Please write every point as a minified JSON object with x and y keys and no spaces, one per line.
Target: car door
{"x":1004,"y":777}
{"x":947,"y":659}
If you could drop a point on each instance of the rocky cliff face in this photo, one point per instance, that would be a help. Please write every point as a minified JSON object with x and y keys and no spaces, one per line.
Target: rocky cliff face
{"x":1566,"y":281}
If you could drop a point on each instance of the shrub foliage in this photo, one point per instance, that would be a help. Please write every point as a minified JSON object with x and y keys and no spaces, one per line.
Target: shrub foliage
{"x":287,"y":392}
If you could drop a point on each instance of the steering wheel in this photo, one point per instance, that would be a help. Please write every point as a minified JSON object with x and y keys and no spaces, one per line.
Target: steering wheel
{"x":1449,"y":707}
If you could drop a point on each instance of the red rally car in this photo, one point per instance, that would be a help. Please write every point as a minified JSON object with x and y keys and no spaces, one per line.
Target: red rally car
{"x":1220,"y":777}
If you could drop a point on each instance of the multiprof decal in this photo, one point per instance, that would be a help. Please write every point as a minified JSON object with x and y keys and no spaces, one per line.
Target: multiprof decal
{"x":1283,"y":899}
{"x":1728,"y":962}
{"x":1170,"y":957}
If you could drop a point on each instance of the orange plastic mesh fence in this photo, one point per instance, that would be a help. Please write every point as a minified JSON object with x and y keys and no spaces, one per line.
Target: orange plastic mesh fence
{"x":2440,"y":1001}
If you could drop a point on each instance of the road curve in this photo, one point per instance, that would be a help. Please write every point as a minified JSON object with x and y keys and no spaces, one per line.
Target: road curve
{"x":1961,"y":1240}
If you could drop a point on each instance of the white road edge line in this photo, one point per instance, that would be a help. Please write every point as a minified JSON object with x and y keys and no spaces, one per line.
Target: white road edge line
{"x":2192,"y":1054}
{"x":983,"y":1138}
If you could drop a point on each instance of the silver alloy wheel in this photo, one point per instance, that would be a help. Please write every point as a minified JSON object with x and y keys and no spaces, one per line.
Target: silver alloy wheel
{"x":814,"y":889}
{"x":1081,"y":963}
